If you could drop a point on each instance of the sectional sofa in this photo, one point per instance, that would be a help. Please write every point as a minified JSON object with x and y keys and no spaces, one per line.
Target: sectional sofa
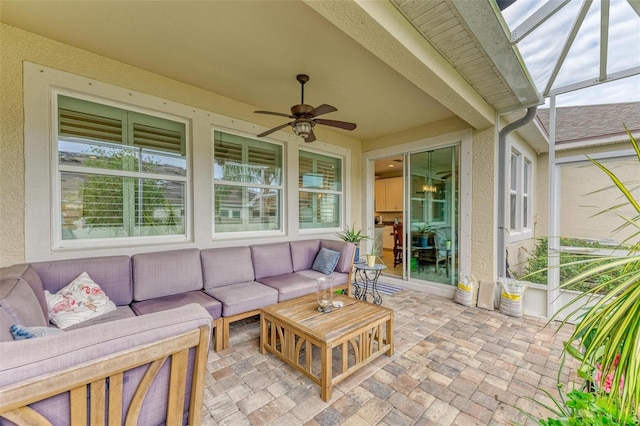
{"x":159,"y":297}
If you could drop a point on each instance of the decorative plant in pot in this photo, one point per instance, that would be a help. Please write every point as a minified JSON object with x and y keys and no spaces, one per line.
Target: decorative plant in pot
{"x":353,"y":236}
{"x":606,"y":337}
{"x":372,"y":255}
{"x":423,"y":232}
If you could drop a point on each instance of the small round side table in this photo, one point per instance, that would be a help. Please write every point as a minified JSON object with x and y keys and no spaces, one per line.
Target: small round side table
{"x":366,"y":280}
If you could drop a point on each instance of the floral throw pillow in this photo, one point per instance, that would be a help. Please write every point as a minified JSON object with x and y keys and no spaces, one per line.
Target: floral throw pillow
{"x":78,"y":301}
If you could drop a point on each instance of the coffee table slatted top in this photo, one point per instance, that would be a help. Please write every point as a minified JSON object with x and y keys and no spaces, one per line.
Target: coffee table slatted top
{"x":302,"y":314}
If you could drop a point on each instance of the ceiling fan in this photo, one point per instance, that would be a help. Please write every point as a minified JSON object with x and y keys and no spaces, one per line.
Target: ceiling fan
{"x":305,"y":117}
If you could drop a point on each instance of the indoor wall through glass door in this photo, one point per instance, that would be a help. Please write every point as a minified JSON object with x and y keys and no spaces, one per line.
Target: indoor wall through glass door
{"x":432,"y":182}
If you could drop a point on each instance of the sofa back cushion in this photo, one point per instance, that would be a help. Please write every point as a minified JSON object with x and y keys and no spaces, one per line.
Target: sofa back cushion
{"x":303,"y":253}
{"x":270,"y":260}
{"x":18,"y":305}
{"x":26,"y":272}
{"x":225,"y":266}
{"x":111,"y":273}
{"x":165,"y":273}
{"x":347,"y":252}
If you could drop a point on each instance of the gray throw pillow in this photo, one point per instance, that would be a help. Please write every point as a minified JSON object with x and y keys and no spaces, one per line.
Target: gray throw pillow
{"x":326,"y":261}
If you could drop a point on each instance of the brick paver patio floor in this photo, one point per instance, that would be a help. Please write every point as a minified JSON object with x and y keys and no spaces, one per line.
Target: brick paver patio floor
{"x":452,"y":366}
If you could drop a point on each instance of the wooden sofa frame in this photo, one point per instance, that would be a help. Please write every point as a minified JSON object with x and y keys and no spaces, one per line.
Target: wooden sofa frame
{"x":14,"y":400}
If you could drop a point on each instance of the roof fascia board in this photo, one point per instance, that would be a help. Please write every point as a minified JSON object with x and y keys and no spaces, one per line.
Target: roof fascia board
{"x":380,"y":28}
{"x":491,"y":31}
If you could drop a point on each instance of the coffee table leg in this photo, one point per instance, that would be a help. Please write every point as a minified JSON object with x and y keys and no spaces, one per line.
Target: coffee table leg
{"x":390,"y":336}
{"x":263,"y":334}
{"x":326,"y":373}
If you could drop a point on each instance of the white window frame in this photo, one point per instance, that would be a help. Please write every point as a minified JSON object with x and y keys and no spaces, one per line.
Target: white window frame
{"x":58,"y":169}
{"x":40,"y":203}
{"x":323,"y":191}
{"x":523,"y":195}
{"x":43,"y":234}
{"x":281,"y":188}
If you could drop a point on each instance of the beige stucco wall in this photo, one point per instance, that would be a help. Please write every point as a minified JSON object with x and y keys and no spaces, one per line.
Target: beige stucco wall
{"x":18,"y":46}
{"x":483,"y":230}
{"x":579,"y":196}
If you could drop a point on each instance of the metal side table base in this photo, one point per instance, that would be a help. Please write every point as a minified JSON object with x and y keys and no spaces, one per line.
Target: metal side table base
{"x":366,"y":281}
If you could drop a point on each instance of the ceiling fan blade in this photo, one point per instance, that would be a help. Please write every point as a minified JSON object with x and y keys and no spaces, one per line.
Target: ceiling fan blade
{"x":274,"y":113}
{"x":322,"y":109}
{"x":335,"y":123}
{"x":311,"y":137}
{"x":275,"y":129}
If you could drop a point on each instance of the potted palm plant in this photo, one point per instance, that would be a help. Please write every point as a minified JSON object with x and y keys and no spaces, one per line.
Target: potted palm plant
{"x":353,"y":236}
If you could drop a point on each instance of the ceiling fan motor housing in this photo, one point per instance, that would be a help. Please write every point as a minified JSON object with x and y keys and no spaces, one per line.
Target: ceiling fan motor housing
{"x":301,"y":110}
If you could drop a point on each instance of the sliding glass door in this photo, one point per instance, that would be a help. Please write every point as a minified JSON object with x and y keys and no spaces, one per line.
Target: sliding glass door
{"x":431,"y":251}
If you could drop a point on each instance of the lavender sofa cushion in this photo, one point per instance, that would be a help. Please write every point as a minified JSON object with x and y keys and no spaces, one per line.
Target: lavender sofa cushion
{"x":347,"y":252}
{"x":224,"y":266}
{"x":303,"y":253}
{"x":28,"y":360}
{"x":339,"y":278}
{"x":271,"y":259}
{"x":165,"y":273}
{"x":243,"y":297}
{"x":26,"y":272}
{"x":290,"y":286}
{"x":121,"y":312}
{"x":19,"y":306}
{"x":111,"y":273}
{"x":159,"y":304}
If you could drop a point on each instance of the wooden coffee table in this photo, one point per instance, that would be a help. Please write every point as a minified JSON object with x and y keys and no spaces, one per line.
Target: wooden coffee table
{"x":309,"y":340}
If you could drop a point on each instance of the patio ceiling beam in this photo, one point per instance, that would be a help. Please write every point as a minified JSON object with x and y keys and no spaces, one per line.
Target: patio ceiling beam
{"x":567,"y":45}
{"x":629,"y":72}
{"x":536,"y":19}
{"x":604,"y":38}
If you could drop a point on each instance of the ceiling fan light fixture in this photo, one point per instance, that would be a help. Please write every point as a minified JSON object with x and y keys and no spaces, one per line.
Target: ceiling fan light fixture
{"x":302,"y":127}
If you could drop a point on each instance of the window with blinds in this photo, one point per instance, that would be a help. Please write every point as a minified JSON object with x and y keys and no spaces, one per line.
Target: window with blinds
{"x":122,"y":174}
{"x":320,"y":190}
{"x":247,"y":184}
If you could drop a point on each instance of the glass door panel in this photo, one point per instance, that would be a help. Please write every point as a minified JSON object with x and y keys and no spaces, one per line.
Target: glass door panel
{"x":432,"y":231}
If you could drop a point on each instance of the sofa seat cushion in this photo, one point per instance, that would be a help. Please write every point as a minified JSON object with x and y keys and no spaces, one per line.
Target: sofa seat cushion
{"x":166,"y":273}
{"x":243,"y":297}
{"x":213,"y":306}
{"x":290,"y":286}
{"x":339,"y":278}
{"x":121,"y":312}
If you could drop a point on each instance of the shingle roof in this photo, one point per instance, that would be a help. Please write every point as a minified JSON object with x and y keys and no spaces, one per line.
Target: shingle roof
{"x":587,"y":123}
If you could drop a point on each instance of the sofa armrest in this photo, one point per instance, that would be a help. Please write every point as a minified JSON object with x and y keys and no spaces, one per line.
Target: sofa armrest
{"x":26,"y":359}
{"x":123,"y":352}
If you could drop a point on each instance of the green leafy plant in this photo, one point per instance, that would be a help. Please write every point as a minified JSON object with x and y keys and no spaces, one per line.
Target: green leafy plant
{"x":606,"y":337}
{"x":611,"y":323}
{"x":571,"y":264}
{"x":424,"y":229}
{"x":373,"y":251}
{"x":351,"y":235}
